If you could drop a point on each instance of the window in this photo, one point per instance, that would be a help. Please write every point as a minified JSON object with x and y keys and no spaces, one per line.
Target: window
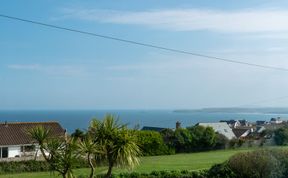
{"x":4,"y":152}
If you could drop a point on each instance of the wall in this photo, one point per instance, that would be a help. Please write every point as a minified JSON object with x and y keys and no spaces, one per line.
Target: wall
{"x":13,"y":151}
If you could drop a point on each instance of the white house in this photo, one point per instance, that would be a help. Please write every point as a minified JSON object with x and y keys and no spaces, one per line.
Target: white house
{"x":15,"y":141}
{"x":276,"y":120}
{"x":220,"y":127}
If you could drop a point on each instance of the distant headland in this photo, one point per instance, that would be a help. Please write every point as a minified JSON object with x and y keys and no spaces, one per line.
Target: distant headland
{"x":263,"y":110}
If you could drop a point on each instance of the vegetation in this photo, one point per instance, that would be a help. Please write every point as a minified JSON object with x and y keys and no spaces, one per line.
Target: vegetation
{"x":186,"y":161}
{"x":281,"y":136}
{"x":59,"y":153}
{"x":118,"y":145}
{"x":261,"y":163}
{"x":151,"y":143}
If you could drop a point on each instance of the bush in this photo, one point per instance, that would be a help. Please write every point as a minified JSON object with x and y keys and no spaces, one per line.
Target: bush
{"x":256,"y":164}
{"x":23,"y":166}
{"x":162,"y":174}
{"x":151,"y":144}
{"x":31,"y":166}
{"x":220,"y":171}
{"x":281,"y":136}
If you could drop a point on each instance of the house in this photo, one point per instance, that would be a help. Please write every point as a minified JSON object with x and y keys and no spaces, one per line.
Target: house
{"x":276,"y":120}
{"x":159,"y":129}
{"x":261,"y":122}
{"x":221,"y":128}
{"x":232,"y":123}
{"x":244,"y":123}
{"x":16,"y":142}
{"x":242,"y":132}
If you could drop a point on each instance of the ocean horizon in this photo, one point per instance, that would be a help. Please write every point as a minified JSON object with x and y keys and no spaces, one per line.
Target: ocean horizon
{"x":73,"y":119}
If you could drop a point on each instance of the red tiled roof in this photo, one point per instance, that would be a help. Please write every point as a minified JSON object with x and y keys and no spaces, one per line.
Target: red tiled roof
{"x":15,"y":133}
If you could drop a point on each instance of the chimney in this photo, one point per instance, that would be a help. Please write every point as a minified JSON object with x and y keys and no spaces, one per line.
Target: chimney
{"x":178,"y":125}
{"x":6,"y":124}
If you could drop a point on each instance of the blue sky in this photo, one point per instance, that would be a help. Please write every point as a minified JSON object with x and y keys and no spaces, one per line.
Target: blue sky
{"x":42,"y":68}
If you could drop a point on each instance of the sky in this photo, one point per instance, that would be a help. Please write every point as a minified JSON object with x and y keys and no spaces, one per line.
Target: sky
{"x":45,"y":68}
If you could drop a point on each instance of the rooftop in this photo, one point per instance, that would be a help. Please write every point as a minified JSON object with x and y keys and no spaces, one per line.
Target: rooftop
{"x":15,"y":133}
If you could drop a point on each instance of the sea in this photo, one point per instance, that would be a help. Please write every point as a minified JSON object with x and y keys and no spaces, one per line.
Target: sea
{"x":73,"y":119}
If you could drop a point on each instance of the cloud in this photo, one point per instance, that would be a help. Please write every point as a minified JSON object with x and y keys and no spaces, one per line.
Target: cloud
{"x":60,"y":70}
{"x":24,"y":66}
{"x":240,"y":21}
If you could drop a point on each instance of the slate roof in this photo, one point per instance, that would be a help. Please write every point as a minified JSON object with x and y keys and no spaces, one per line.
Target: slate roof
{"x":15,"y":133}
{"x":240,"y":131}
{"x":157,"y":129}
{"x":220,"y":127}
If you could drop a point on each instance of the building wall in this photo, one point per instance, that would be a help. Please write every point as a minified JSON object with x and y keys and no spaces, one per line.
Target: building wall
{"x":14,"y":151}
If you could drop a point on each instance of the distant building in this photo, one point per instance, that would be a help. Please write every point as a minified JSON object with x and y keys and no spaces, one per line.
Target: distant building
{"x":16,"y":142}
{"x":159,"y":129}
{"x":221,"y":128}
{"x":276,"y":120}
{"x":242,"y":132}
{"x":244,"y":123}
{"x":232,"y":123}
{"x":261,"y":123}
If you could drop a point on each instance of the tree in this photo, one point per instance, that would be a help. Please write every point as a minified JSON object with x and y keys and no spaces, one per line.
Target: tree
{"x":40,"y":134}
{"x":89,"y":148}
{"x":60,"y":153}
{"x":151,"y":143}
{"x":281,"y":136}
{"x":118,"y":144}
{"x":183,"y":140}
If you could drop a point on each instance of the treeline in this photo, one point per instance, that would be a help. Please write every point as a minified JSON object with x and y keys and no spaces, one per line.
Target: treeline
{"x":190,"y":139}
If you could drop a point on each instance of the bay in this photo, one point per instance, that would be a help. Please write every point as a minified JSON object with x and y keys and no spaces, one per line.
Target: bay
{"x":72,"y":119}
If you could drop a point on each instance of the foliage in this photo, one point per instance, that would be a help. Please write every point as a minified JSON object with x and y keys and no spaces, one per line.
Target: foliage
{"x":220,"y":171}
{"x":256,"y":164}
{"x":23,"y":166}
{"x":183,"y":140}
{"x":78,"y":134}
{"x":151,"y":143}
{"x":88,"y":148}
{"x":221,"y":141}
{"x":281,"y":136}
{"x":162,"y":174}
{"x":60,"y":153}
{"x":118,"y":144}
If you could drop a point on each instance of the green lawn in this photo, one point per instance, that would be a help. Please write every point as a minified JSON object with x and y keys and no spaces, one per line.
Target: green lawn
{"x":192,"y":161}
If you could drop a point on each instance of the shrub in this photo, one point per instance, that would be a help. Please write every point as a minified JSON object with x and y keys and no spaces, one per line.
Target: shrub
{"x":281,"y":136}
{"x":151,"y":144}
{"x":256,"y":164}
{"x":220,"y":171}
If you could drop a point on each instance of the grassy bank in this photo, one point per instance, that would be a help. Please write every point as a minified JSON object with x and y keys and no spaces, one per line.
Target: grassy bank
{"x":191,"y":161}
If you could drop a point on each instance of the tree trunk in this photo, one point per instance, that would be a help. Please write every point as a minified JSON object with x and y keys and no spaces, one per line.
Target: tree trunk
{"x":91,"y":166}
{"x":63,"y":175}
{"x":109,"y":172}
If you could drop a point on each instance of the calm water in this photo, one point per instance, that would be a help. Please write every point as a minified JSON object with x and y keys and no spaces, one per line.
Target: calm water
{"x":158,"y":118}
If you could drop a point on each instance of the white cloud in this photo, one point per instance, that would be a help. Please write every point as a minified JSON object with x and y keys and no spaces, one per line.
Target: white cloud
{"x":240,"y":21}
{"x":24,"y":66}
{"x":60,"y":70}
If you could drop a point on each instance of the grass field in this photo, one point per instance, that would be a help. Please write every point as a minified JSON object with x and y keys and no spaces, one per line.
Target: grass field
{"x":192,"y":161}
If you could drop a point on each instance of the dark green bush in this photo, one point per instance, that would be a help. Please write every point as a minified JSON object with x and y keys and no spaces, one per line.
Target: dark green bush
{"x":23,"y":166}
{"x":220,"y":171}
{"x":281,"y":136}
{"x":162,"y":174}
{"x":256,"y":164}
{"x":151,"y":144}
{"x":31,"y":166}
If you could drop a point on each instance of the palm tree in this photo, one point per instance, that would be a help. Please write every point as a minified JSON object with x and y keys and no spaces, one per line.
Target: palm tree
{"x":89,"y":148}
{"x":61,"y":153}
{"x":40,"y":134}
{"x":117,"y":142}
